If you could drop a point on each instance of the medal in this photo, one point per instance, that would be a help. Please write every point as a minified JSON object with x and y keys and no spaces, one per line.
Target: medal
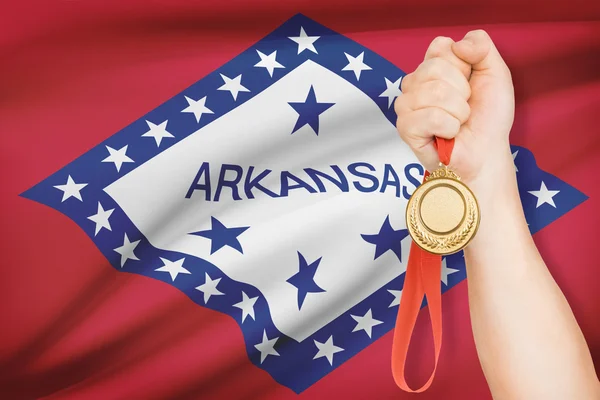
{"x":442,"y":214}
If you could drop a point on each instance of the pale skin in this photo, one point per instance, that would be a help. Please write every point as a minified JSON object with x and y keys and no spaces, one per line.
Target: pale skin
{"x":528,"y":341}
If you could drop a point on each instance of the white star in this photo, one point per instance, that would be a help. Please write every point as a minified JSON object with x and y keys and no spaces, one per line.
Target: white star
{"x":544,"y":195}
{"x":515,"y":156}
{"x":158,"y":132}
{"x":356,"y":64}
{"x":118,"y":157}
{"x":365,"y":323}
{"x":209,"y":288}
{"x":71,"y":189}
{"x":101,"y":218}
{"x":233,"y":86}
{"x":266,"y":347}
{"x":305,"y":42}
{"x":446,"y":271}
{"x":126,"y":251}
{"x":327,"y":349}
{"x":392,"y":90}
{"x":197,"y":107}
{"x":269,"y":62}
{"x":247,"y":306}
{"x":397,"y":296}
{"x":174,"y":268}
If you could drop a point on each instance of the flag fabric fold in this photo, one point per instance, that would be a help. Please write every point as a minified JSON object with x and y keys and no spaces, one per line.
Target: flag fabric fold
{"x":196,"y":206}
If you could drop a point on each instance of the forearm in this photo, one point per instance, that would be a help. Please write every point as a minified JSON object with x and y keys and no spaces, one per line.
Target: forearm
{"x":528,"y":341}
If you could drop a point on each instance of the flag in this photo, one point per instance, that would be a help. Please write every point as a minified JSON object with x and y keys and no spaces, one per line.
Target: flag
{"x":208,"y":203}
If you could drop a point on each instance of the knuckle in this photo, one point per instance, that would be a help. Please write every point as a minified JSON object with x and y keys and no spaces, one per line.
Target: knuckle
{"x":437,"y":117}
{"x":466,"y":89}
{"x":409,"y":128}
{"x":439,"y":45}
{"x":437,"y":68}
{"x":405,"y":82}
{"x":398,"y":104}
{"x":402,"y":128}
{"x":479,"y":35}
{"x":439,"y":91}
{"x":442,"y":122}
{"x":465,"y":112}
{"x":482,"y":33}
{"x":453,"y":126}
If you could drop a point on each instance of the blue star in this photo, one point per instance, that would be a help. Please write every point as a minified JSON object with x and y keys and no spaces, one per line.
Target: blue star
{"x":387,"y":239}
{"x":304,"y":280}
{"x":309,"y":111}
{"x":222,"y":236}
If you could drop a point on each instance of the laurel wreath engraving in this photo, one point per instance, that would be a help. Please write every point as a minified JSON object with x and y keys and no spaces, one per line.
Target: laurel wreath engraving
{"x":443,"y":173}
{"x":443,"y":243}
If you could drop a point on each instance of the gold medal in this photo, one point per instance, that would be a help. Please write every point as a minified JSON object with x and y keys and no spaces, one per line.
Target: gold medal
{"x":442,"y":214}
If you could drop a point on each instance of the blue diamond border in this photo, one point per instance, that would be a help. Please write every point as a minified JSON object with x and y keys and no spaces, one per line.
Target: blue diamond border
{"x":295,"y":367}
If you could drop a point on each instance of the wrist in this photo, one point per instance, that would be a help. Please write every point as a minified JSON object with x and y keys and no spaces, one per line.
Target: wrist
{"x":496,"y":181}
{"x":502,"y":216}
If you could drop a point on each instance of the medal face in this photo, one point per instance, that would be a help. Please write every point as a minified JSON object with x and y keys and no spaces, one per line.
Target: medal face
{"x":442,"y":215}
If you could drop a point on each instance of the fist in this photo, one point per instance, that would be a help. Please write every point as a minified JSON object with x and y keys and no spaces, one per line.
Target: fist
{"x":461,"y":90}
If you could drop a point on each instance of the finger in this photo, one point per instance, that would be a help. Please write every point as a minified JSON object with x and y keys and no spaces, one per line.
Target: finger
{"x":425,"y":151}
{"x":442,"y":95}
{"x":401,"y":106}
{"x":419,"y":127}
{"x":477,"y":49}
{"x":428,"y":155}
{"x":441,"y":47}
{"x":437,"y":69}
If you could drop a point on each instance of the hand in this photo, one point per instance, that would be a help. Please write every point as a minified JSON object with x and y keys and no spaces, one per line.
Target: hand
{"x":461,"y":90}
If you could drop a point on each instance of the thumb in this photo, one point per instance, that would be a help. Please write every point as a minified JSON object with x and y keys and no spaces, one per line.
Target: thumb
{"x":477,"y":49}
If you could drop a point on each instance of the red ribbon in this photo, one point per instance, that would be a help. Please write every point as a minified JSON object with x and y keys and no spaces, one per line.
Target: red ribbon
{"x":423,"y":276}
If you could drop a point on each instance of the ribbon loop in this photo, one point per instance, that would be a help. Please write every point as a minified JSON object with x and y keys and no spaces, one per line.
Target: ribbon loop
{"x":422,"y":279}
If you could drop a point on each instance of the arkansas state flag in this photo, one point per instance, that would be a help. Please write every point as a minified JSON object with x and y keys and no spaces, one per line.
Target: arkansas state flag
{"x":206,"y":201}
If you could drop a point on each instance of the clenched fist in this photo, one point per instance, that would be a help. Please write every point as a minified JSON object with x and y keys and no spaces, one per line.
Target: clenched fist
{"x":461,"y":90}
{"x":464,"y":91}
